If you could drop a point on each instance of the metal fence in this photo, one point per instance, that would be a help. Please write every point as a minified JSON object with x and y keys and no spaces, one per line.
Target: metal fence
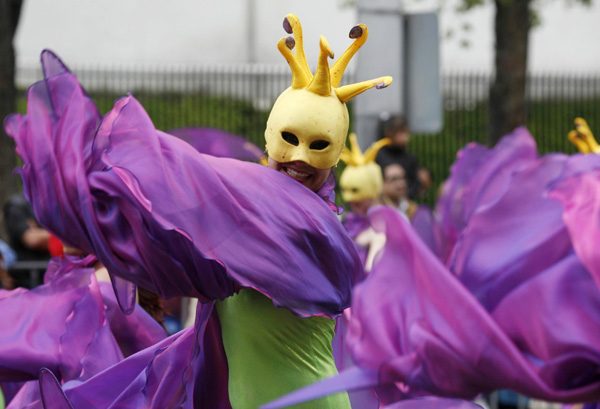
{"x":237,"y":98}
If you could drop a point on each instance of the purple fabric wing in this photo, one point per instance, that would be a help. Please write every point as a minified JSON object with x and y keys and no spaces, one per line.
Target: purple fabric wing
{"x":420,"y":339}
{"x":355,"y":224}
{"x":427,"y":228}
{"x":62,"y":338}
{"x":579,"y":194}
{"x":515,"y":238}
{"x":431,"y":402}
{"x":219,"y":143}
{"x":70,"y":325}
{"x":186,"y":370}
{"x":416,"y":330}
{"x":170,"y":219}
{"x":477,"y":178}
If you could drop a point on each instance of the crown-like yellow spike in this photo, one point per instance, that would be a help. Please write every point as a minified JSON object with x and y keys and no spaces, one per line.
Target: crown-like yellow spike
{"x":321,"y":82}
{"x":299,"y":77}
{"x":291,"y":25}
{"x":348,"y":92}
{"x":360,"y":33}
{"x":355,"y":157}
{"x":578,"y":142}
{"x":583,"y":138}
{"x":372,"y":151}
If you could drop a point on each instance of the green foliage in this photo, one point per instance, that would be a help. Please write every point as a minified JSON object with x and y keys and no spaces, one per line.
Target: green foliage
{"x":175,"y":110}
{"x":549,"y":122}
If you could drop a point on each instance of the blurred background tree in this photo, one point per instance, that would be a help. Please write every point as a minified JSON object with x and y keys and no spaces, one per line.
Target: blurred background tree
{"x":10,"y":11}
{"x":514,"y":19}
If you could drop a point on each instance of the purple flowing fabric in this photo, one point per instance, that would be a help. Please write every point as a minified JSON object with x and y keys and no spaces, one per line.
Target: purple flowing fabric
{"x":170,"y":219}
{"x":519,"y":310}
{"x":166,"y":375}
{"x":431,"y":402}
{"x":71,"y":324}
{"x":355,"y":224}
{"x":478,"y":177}
{"x":163,"y":216}
{"x":427,"y":228}
{"x":216,"y":142}
{"x":579,"y":193}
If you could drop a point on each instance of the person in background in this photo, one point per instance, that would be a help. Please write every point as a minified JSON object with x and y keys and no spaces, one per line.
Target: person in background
{"x":361,"y":185}
{"x":29,"y":240}
{"x":395,"y":190}
{"x":397,"y":129}
{"x":7,"y":258}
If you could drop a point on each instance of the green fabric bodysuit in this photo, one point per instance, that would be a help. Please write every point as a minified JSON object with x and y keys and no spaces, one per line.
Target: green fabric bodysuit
{"x":272,"y":352}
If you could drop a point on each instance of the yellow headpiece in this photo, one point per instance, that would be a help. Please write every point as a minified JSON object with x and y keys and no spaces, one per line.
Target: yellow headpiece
{"x":362,"y":178}
{"x":309,"y":120}
{"x":583,"y":138}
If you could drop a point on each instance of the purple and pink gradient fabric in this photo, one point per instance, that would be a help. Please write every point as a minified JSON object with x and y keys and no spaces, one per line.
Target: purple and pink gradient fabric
{"x":516,"y":306}
{"x":159,"y":214}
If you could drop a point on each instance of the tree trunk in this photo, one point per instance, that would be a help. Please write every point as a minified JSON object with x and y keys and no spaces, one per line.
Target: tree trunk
{"x":507,"y":94}
{"x":10,"y":11}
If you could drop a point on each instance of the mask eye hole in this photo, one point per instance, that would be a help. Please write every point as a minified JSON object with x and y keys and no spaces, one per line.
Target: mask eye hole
{"x":319,"y":145}
{"x":290,"y":138}
{"x":354,"y":190}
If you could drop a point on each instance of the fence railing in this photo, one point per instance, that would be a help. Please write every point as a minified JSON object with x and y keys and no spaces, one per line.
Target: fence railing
{"x":237,"y":98}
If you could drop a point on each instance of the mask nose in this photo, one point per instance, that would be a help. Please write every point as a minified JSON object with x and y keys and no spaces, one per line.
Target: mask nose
{"x":300,"y":153}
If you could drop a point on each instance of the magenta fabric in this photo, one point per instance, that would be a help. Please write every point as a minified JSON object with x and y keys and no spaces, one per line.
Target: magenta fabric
{"x":477,"y":178}
{"x":519,"y":308}
{"x":217,"y":142}
{"x":579,"y":194}
{"x":427,"y":228}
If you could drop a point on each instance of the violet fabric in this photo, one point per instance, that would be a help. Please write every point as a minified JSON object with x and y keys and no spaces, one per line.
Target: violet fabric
{"x":71,"y":324}
{"x":477,"y":178}
{"x":355,"y":224}
{"x":431,"y":402}
{"x":427,"y":228}
{"x":170,"y":219}
{"x":217,"y":142}
{"x":166,"y":375}
{"x":163,"y":216}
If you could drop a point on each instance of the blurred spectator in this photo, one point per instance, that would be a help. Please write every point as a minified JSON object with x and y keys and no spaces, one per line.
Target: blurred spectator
{"x":397,"y":129}
{"x":27,"y":238}
{"x":7,"y":258}
{"x":395,"y":190}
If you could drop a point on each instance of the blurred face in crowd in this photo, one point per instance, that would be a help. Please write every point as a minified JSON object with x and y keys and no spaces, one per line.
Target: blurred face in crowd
{"x":302,"y":172}
{"x":395,"y":186}
{"x":400,"y":136}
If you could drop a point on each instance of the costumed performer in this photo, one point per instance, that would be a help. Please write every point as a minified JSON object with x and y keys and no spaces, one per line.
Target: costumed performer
{"x":165,"y":217}
{"x":360,"y":184}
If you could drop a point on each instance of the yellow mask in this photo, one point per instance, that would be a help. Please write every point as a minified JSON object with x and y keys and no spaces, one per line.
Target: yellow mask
{"x":362,"y":179}
{"x":309,"y":120}
{"x":583,"y":138}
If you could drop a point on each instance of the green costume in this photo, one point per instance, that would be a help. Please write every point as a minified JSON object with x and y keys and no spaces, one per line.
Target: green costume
{"x":272,"y":352}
